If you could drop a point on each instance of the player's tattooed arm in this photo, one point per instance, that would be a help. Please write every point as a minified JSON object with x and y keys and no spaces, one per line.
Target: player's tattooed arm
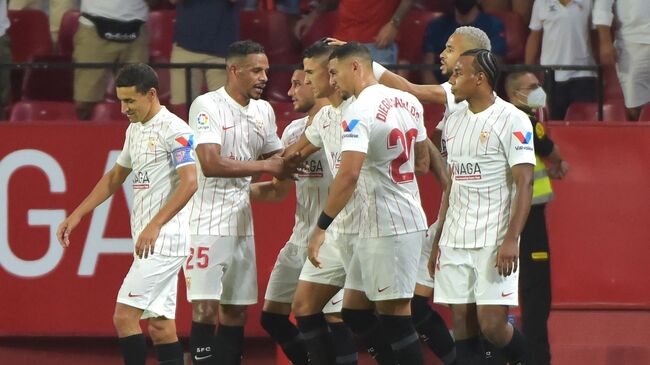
{"x":106,"y":186}
{"x":422,"y":157}
{"x":508,"y":254}
{"x":437,"y":165}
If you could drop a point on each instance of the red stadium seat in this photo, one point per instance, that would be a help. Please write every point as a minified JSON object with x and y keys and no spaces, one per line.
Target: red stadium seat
{"x":589,"y":112}
{"x":161,"y":33}
{"x":107,"y":111}
{"x":42,"y":110}
{"x":53,"y":84}
{"x":411,"y":36}
{"x":284,"y":115}
{"x":272,"y":30}
{"x":29,"y":33}
{"x":67,"y":30}
{"x":323,"y":27}
{"x":645,"y":113}
{"x":516,"y":34}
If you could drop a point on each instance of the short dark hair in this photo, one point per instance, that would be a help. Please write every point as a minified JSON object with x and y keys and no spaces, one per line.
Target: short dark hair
{"x":243,"y":49}
{"x":351,"y":49}
{"x":486,"y":62}
{"x":319,"y":48}
{"x":140,"y":75}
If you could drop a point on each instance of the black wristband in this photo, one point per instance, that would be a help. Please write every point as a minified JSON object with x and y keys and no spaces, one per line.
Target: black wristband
{"x":324,"y":221}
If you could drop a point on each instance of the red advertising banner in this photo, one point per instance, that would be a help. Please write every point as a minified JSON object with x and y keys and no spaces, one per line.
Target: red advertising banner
{"x":46,"y":169}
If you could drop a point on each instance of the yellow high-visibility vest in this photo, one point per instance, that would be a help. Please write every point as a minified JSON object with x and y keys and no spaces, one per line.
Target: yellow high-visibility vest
{"x":542,"y":190}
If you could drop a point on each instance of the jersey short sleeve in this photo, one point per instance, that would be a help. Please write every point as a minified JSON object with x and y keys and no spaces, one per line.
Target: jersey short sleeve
{"x":124,"y":158}
{"x":422,"y":130}
{"x":535,"y":18}
{"x":356,"y":131}
{"x":517,"y":140}
{"x":312,"y":132}
{"x":205,"y":121}
{"x":180,"y":142}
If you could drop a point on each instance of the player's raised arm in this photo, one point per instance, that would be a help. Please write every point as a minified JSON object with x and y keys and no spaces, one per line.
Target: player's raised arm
{"x":105,"y":187}
{"x":424,"y":93}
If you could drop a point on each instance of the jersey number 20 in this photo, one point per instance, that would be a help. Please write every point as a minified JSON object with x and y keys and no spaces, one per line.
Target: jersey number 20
{"x":406,"y":141}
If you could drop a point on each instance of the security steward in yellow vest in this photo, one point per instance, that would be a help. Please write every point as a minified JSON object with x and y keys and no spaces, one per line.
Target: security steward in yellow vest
{"x":525,"y":93}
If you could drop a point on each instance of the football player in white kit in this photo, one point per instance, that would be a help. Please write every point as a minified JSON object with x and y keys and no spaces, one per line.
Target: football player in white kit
{"x":318,"y":287}
{"x":383,"y":146}
{"x":158,"y":151}
{"x":236,"y":138}
{"x":312,"y":187}
{"x":428,"y":322}
{"x":491,"y":157}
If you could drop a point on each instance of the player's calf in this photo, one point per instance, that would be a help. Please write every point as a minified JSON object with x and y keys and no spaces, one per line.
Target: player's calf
{"x":433,"y":329}
{"x":365,"y":325}
{"x":344,"y":344}
{"x":282,"y":331}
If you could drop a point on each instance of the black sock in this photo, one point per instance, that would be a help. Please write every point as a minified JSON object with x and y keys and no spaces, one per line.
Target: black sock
{"x":286,"y":335}
{"x":230,"y":344}
{"x":469,"y":351}
{"x":202,"y":343}
{"x":433,"y":329}
{"x":170,"y":354}
{"x":318,"y":340}
{"x":365,"y":324}
{"x":493,"y":355}
{"x":403,"y":339}
{"x":134,"y":349}
{"x":515,"y":351}
{"x":344,"y":345}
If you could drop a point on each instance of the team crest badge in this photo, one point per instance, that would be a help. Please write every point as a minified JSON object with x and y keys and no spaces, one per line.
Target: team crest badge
{"x":483,"y":136}
{"x":259,"y":126}
{"x":151,"y":144}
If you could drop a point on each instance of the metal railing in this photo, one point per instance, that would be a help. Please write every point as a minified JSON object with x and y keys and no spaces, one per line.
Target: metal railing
{"x":548,"y":71}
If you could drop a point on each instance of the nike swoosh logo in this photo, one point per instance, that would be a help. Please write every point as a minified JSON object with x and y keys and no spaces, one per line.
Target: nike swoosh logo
{"x":226,"y":128}
{"x":199,"y":358}
{"x":337,"y":302}
{"x":382,"y":289}
{"x":326,"y":125}
{"x":134,"y":295}
{"x":449,"y":138}
{"x":503,"y":295}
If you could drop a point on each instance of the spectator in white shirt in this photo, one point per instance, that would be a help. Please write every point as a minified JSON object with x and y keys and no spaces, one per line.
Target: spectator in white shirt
{"x":561,"y":27}
{"x":630,"y":50}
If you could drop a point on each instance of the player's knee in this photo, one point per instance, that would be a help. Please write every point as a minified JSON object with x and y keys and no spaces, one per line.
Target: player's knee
{"x":123,"y":321}
{"x":233,"y":315}
{"x":205,"y":311}
{"x":161,"y":333}
{"x":302,"y":307}
{"x":494,"y":329}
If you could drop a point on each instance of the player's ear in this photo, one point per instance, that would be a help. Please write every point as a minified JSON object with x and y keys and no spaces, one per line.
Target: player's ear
{"x":152,"y":93}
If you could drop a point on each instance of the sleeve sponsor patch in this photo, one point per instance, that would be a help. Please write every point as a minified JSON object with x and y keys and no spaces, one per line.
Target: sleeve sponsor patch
{"x":183,"y":156}
{"x":203,"y":121}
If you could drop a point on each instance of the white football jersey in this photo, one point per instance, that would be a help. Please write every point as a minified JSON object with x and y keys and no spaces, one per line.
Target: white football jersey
{"x":385,"y":124}
{"x":221,"y":206}
{"x":325,"y":132}
{"x":154,"y":150}
{"x":312,"y":186}
{"x":481,"y":150}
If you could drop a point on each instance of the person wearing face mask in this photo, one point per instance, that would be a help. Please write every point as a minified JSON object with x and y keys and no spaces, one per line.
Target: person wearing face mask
{"x":466,"y":13}
{"x":524,"y":91}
